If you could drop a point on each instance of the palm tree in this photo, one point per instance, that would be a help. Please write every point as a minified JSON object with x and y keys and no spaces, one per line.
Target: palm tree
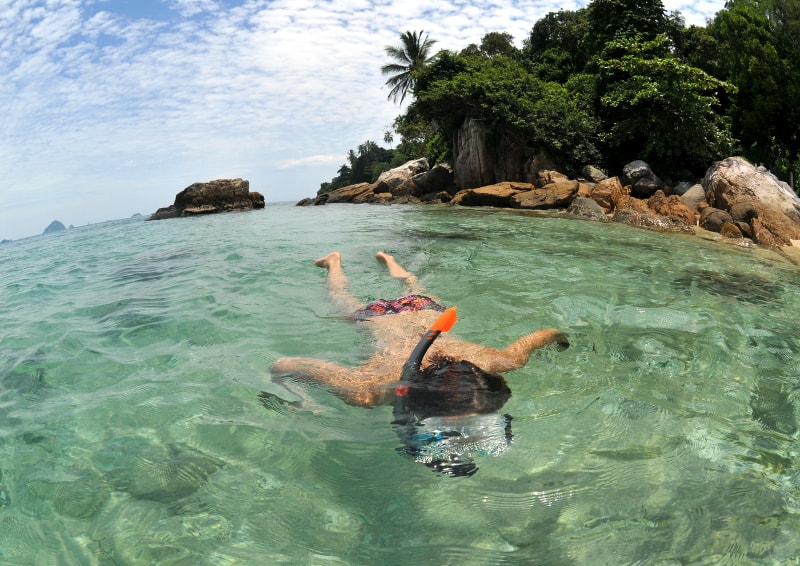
{"x":411,"y":55}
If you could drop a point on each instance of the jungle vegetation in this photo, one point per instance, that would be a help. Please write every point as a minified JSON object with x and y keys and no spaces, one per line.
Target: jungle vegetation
{"x":612,"y":82}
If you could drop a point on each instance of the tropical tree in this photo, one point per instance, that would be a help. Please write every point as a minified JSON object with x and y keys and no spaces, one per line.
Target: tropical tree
{"x":558,"y":45}
{"x":625,"y":19}
{"x":503,"y":94}
{"x":660,"y":109}
{"x":363,"y":166}
{"x":410,"y":55}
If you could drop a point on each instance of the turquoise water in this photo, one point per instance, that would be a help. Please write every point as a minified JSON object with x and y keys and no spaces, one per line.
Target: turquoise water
{"x":133,"y":354}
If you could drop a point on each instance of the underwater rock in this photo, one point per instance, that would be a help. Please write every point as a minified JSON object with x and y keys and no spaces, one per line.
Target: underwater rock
{"x":772,"y":406}
{"x":27,"y":378}
{"x":81,"y":498}
{"x":156,"y":472}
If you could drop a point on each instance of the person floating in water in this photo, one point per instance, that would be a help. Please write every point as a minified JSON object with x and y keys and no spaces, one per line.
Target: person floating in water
{"x":446,"y":411}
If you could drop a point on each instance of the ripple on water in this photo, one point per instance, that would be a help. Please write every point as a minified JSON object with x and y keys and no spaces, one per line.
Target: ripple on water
{"x":131,"y":430}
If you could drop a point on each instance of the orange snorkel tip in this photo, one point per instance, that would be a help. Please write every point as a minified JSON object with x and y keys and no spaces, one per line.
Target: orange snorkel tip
{"x":446,"y":320}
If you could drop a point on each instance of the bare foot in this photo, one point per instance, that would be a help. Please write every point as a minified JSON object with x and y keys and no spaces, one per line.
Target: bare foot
{"x":395,"y":269}
{"x":383,"y":257}
{"x":332,"y":259}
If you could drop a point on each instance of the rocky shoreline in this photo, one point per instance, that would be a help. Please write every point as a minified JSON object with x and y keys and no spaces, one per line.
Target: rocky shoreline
{"x":743,"y":204}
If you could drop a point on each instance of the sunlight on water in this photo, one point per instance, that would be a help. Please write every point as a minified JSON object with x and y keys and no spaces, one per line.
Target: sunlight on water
{"x":139,"y":423}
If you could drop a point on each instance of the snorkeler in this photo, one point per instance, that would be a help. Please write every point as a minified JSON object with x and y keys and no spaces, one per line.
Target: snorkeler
{"x":396,"y":327}
{"x":443,"y":411}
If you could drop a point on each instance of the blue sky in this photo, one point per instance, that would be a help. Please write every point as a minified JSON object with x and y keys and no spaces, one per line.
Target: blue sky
{"x":110,"y":107}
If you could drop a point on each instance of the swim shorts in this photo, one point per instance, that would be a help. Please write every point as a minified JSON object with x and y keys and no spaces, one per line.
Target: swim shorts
{"x":409,"y":303}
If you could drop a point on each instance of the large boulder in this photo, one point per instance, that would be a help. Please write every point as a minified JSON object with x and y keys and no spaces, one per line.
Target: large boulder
{"x":636,"y":212}
{"x":410,"y":183}
{"x":593,"y":174}
{"x":607,"y":193}
{"x":546,"y":177}
{"x":349,"y":193}
{"x":771,"y":209}
{"x":558,"y":194}
{"x":673,"y":207}
{"x":713,"y":219}
{"x":400,"y":180}
{"x":499,"y":195}
{"x":641,"y":179}
{"x":585,"y":207}
{"x":220,"y":195}
{"x":438,"y":178}
{"x":694,"y":197}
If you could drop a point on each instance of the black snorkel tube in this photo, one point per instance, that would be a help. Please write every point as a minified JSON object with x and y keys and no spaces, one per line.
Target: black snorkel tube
{"x":444,"y":323}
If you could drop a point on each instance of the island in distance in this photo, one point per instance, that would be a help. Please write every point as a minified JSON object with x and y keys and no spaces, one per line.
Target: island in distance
{"x":54,"y":226}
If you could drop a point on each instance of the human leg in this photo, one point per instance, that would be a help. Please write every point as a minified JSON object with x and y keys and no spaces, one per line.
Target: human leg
{"x":337,"y":282}
{"x":399,"y":272}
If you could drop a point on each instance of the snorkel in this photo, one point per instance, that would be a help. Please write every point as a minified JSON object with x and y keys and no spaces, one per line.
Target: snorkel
{"x":444,"y":323}
{"x":446,"y":413}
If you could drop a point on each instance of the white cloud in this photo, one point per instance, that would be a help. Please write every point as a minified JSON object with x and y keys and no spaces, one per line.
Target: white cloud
{"x":312,"y":160}
{"x":138,"y":100}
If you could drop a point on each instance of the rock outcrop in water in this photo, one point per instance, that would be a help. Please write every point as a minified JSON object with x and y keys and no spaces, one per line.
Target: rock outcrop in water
{"x":221,"y":195}
{"x":744,"y":204}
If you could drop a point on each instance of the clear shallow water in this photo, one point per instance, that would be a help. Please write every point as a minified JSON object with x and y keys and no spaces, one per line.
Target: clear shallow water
{"x":132,"y":356}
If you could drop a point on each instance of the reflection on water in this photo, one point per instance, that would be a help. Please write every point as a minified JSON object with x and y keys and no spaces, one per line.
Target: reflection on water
{"x":138,"y":422}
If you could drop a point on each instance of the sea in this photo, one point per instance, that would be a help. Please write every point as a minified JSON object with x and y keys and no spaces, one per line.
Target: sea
{"x":140,"y":424}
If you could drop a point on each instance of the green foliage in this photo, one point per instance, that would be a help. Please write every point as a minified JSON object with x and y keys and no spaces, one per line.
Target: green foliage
{"x":557,"y":46}
{"x":492,"y":44}
{"x":753,"y":45}
{"x":416,"y":132}
{"x":661,"y":109}
{"x":611,"y":20}
{"x":616,"y":81}
{"x":498,"y":43}
{"x":438,"y":149}
{"x":411,"y":55}
{"x":504,"y":93}
{"x":363,"y":166}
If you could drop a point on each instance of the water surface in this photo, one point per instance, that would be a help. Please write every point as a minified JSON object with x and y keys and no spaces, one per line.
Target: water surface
{"x":133,"y":429}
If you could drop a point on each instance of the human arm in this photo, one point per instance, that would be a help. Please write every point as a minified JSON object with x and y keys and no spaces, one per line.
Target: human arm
{"x":346,"y":383}
{"x":513,"y":356}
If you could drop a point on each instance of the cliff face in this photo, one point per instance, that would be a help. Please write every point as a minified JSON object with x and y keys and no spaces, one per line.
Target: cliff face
{"x":473,"y":165}
{"x":483,"y":155}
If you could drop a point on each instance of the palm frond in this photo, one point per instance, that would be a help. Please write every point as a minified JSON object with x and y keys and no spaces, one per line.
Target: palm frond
{"x":410,"y":55}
